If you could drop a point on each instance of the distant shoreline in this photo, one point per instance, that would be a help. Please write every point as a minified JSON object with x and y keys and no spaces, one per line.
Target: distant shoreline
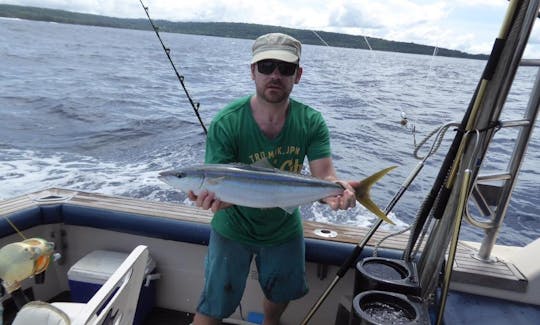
{"x":231,"y":30}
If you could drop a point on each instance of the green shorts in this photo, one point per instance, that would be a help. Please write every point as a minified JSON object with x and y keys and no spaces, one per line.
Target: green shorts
{"x":281,"y":273}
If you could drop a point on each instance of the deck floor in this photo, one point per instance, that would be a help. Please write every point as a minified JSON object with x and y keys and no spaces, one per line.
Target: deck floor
{"x":162,"y":316}
{"x":158,"y":316}
{"x":461,"y":309}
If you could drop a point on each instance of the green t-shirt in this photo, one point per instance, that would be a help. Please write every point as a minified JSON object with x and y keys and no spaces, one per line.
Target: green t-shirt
{"x":235,"y":137}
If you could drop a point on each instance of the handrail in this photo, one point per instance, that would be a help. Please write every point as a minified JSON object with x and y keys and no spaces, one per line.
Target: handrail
{"x":530,"y":63}
{"x":492,"y":228}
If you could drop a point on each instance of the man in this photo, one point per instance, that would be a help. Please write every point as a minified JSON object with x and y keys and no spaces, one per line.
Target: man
{"x":272,"y":127}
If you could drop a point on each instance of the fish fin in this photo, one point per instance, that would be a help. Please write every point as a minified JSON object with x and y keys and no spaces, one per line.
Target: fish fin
{"x":215,"y":180}
{"x":289,"y":210}
{"x":362,"y":193}
{"x":264,"y":163}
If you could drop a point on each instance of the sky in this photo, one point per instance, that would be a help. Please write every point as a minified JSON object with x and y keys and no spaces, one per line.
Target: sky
{"x":466,"y":25}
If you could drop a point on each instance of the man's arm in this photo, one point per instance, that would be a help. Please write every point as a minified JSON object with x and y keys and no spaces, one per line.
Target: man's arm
{"x":324,"y":168}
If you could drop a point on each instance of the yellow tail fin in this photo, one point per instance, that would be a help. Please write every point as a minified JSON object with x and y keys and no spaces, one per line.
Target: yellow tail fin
{"x":362,"y":193}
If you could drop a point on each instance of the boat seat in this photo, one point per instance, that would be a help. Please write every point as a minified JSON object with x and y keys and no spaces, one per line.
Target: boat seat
{"x":114,"y":303}
{"x":39,"y":312}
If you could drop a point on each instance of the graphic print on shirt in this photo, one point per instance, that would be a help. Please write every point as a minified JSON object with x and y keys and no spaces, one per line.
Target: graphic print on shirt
{"x":292,"y":163}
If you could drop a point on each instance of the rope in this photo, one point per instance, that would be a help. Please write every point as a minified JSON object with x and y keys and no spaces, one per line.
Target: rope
{"x":379,"y":243}
{"x":421,"y":239}
{"x":440,"y":131}
{"x":438,"y":140}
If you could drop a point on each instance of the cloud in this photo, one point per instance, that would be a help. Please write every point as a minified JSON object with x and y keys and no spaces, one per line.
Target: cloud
{"x":350,"y":16}
{"x":466,"y":25}
{"x":407,"y":21}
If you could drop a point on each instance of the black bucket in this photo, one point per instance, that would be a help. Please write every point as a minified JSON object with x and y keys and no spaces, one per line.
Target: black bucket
{"x":375,"y":307}
{"x":377,"y":273}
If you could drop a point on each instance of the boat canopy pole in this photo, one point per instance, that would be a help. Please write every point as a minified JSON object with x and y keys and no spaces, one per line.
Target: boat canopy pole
{"x":521,"y":16}
{"x":194,"y":105}
{"x":441,"y":190}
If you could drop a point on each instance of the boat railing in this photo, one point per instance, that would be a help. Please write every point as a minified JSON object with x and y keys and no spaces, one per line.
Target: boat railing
{"x":492,"y":193}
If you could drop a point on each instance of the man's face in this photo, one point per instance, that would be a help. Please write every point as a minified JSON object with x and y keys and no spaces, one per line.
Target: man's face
{"x":274,"y":80}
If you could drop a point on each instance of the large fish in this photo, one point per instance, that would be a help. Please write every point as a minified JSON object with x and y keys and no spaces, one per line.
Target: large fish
{"x":261,"y":187}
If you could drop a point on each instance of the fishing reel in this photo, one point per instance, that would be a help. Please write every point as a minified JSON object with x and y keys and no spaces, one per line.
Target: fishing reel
{"x":22,"y":260}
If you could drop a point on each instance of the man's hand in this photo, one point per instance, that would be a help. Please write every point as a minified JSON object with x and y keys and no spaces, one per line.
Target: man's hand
{"x":207,"y":200}
{"x":324,"y":169}
{"x":344,"y":201}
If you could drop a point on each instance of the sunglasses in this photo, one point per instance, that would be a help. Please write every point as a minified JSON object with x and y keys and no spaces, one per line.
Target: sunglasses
{"x":268,"y":66}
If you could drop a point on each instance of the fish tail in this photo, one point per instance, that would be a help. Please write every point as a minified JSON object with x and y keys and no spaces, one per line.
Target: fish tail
{"x":362,"y":193}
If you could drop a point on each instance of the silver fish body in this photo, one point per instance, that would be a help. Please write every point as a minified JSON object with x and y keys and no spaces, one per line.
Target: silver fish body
{"x":261,"y":187}
{"x":251,"y":186}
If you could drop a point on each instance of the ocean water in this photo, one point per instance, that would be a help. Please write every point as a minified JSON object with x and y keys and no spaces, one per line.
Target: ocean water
{"x":101,"y":110}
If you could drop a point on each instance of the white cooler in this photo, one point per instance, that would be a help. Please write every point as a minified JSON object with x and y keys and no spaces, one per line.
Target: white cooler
{"x":89,"y":273}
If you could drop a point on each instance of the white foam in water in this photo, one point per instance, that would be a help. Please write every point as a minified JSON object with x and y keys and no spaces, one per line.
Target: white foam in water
{"x":26,"y":171}
{"x":358,"y":216}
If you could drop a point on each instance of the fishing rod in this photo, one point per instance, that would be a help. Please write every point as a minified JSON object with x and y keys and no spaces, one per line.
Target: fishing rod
{"x":488,"y":75}
{"x":194,"y":105}
{"x":453,"y":244}
{"x":360,"y":246}
{"x":445,"y":178}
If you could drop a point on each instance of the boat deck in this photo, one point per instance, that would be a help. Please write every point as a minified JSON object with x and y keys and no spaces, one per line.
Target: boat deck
{"x":467,"y":269}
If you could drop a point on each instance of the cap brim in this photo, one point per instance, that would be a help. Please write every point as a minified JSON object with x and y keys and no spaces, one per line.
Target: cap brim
{"x":275,"y":55}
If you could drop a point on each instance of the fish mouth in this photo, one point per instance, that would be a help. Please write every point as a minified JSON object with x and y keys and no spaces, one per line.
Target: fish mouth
{"x":171,"y":173}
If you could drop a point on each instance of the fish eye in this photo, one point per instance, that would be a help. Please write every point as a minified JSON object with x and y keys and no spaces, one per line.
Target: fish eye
{"x":180,"y":175}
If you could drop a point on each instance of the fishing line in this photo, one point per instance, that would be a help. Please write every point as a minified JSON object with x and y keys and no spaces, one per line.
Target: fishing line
{"x":404,"y":119}
{"x":15,"y":228}
{"x":194,"y":105}
{"x":367,"y":42}
{"x":320,"y":38}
